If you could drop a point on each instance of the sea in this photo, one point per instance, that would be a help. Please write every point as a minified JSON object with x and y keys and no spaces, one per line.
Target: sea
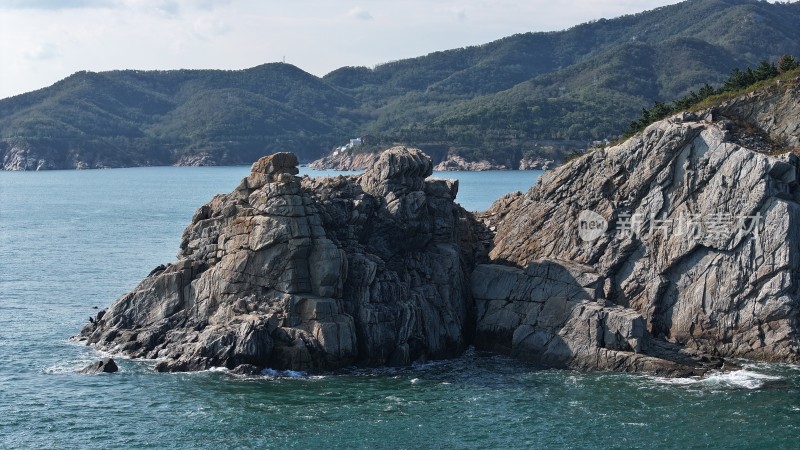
{"x":73,"y":241}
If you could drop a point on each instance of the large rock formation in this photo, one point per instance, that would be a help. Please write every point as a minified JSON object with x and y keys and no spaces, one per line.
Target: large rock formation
{"x":771,"y":112}
{"x":346,"y":160}
{"x":306,"y":274}
{"x":317,"y":274}
{"x":681,"y":225}
{"x":553,"y":314}
{"x":662,"y":255}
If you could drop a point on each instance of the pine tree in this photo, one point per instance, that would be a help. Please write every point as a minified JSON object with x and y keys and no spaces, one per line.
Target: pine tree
{"x":765,"y":71}
{"x":787,"y":63}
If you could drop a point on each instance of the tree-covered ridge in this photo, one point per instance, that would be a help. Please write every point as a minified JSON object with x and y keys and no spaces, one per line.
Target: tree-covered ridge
{"x":736,"y":82}
{"x":160,"y":116}
{"x":527,"y":95}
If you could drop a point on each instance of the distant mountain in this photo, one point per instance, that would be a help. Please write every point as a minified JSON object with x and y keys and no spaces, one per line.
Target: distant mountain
{"x":528,"y":95}
{"x":131,"y":118}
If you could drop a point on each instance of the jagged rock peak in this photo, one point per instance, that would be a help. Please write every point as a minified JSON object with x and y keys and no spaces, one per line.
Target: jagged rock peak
{"x":398,"y":169}
{"x":306,"y":274}
{"x":276,"y":163}
{"x":401,"y":162}
{"x":280,"y":167}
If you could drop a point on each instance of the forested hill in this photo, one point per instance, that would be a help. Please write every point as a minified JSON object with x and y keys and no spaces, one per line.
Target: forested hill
{"x":534,"y":94}
{"x":131,"y":118}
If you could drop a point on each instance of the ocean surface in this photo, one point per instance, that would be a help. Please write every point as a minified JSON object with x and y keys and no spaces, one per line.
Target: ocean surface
{"x":73,"y":241}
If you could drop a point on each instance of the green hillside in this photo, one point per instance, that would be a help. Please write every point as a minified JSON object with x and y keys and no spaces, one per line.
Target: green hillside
{"x":519,"y":96}
{"x":125,"y":118}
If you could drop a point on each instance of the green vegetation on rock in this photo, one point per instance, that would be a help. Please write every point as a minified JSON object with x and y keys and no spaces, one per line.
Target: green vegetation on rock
{"x":738,"y":82}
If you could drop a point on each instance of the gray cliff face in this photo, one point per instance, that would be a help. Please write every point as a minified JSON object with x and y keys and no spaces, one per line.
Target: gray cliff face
{"x":306,"y":274}
{"x":772,"y":112}
{"x":552,"y":314}
{"x":19,"y":155}
{"x":701,"y":237}
{"x":555,"y":313}
{"x":15,"y":156}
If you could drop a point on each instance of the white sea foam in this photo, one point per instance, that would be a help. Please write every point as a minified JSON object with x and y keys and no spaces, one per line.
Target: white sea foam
{"x":737,"y":379}
{"x":65,"y":367}
{"x":76,"y":364}
{"x":283,"y":373}
{"x":740,"y":379}
{"x":676,"y":381}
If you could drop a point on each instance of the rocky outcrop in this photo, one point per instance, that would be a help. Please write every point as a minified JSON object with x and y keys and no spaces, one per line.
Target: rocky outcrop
{"x":18,"y":154}
{"x":771,"y":112}
{"x":554,"y":314}
{"x":377,"y":269}
{"x":105,"y":365}
{"x":457,"y":163}
{"x":536,"y":164}
{"x":346,"y":160}
{"x":20,"y":157}
{"x":197,"y":160}
{"x":306,"y":274}
{"x":682,"y":226}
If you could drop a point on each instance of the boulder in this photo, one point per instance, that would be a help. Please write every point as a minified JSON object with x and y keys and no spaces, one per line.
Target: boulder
{"x":246,"y":370}
{"x":553,"y":314}
{"x":105,"y":365}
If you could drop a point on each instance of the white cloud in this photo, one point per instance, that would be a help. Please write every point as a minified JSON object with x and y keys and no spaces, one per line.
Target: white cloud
{"x":210,"y":4}
{"x":360,"y":14}
{"x":209,"y":26}
{"x":167,"y":8}
{"x":43,"y":52}
{"x":461,"y":14}
{"x":54,"y":4}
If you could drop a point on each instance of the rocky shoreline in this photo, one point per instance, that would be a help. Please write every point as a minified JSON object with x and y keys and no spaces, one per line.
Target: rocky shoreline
{"x":348,"y":160}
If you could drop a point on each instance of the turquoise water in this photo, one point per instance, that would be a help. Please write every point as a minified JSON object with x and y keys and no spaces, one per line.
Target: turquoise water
{"x":74,"y":240}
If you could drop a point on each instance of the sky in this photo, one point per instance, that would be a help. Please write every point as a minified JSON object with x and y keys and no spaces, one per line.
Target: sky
{"x":43,"y":41}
